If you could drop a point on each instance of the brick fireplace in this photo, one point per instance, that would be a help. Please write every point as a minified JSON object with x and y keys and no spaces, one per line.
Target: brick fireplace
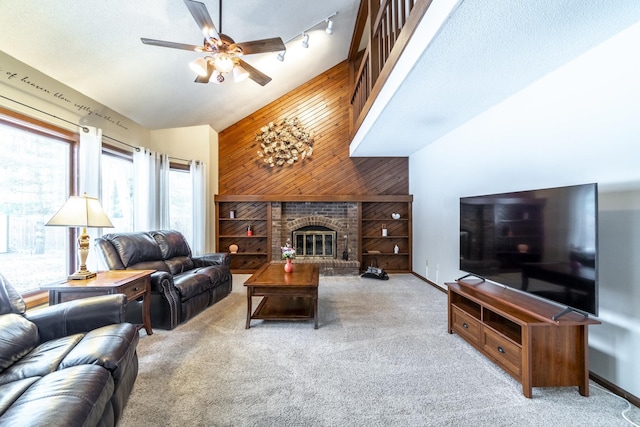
{"x":340,"y":217}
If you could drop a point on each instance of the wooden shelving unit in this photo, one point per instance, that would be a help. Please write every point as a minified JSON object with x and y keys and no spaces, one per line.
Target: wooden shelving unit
{"x":254,"y":250}
{"x":378,"y":249}
{"x":373,"y":212}
{"x":516,"y":331}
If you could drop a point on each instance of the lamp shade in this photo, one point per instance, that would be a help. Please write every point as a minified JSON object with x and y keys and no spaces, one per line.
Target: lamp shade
{"x":239,"y":74}
{"x":199,"y":66}
{"x":81,"y":211}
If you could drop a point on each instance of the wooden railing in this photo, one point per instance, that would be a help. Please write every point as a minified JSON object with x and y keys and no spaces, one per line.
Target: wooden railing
{"x":392,"y":27}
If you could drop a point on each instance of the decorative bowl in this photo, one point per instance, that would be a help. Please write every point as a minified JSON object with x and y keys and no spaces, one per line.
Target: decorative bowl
{"x":395,"y":215}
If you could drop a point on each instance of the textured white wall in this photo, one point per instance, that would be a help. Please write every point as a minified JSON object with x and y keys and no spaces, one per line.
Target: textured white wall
{"x":577,"y":125}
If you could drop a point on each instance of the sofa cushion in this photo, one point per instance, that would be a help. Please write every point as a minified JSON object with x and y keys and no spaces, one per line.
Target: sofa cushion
{"x":190,"y":284}
{"x":42,"y":360}
{"x":112,"y":347}
{"x":18,"y":337}
{"x":216,"y":274}
{"x":172,"y":244}
{"x":76,"y":396}
{"x":134,"y":248}
{"x":158,"y":265}
{"x":179,"y":264}
{"x":10,"y":392}
{"x":10,"y":300}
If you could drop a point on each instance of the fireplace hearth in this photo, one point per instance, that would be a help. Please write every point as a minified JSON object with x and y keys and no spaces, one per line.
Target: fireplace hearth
{"x":320,"y":232}
{"x":315,"y":242}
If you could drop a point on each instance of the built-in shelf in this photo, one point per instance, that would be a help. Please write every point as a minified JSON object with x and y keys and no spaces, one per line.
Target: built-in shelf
{"x":373,"y":212}
{"x":253,"y":250}
{"x":376,"y":215}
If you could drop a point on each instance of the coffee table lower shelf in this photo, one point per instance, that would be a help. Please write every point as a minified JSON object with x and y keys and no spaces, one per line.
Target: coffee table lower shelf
{"x":284,"y":308}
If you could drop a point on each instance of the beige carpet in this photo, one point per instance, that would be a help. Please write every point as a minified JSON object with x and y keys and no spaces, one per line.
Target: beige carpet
{"x":381,"y":357}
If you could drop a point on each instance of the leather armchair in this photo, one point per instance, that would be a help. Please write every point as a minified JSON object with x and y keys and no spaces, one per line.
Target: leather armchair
{"x":71,"y":364}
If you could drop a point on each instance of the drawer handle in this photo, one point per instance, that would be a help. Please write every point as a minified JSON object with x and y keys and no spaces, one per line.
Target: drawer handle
{"x":501,"y":350}
{"x":464,"y":325}
{"x":136,"y":289}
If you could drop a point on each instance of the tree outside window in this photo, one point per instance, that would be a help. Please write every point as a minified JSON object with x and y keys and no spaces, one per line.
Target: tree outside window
{"x":34,"y":184}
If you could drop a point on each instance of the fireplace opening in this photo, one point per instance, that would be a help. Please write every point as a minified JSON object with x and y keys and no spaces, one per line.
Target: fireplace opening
{"x":315,"y":241}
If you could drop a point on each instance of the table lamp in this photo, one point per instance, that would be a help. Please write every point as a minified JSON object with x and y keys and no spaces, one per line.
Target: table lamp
{"x":81,"y":211}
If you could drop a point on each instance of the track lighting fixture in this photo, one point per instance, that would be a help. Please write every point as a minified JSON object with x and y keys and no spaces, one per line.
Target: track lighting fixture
{"x":305,"y":34}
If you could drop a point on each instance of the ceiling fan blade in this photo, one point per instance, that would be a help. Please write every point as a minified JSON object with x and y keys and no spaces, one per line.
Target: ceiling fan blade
{"x":203,"y":19}
{"x":262,"y":46}
{"x":172,"y":45}
{"x":205,"y":79}
{"x":255,"y":74}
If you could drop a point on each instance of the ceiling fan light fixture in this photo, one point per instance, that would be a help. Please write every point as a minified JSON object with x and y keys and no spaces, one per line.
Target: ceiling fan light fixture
{"x":199,"y":66}
{"x":329,"y":29}
{"x":239,"y":74}
{"x":305,"y":40}
{"x":223,"y":62}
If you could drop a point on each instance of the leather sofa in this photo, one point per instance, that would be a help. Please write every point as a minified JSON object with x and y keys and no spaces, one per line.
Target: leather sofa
{"x":182,"y":286}
{"x":71,"y":364}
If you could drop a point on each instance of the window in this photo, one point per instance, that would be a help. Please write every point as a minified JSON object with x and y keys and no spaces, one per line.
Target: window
{"x":180,"y":201}
{"x":117,"y":189}
{"x":37,"y":172}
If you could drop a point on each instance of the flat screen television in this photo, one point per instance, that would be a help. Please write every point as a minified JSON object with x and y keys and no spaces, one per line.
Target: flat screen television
{"x":543,"y":242}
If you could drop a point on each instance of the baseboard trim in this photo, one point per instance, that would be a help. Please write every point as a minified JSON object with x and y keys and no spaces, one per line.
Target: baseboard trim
{"x":424,"y":279}
{"x":634,"y":400}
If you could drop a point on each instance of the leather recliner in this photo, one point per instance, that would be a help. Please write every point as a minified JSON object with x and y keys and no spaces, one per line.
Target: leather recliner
{"x":71,"y":364}
{"x":182,"y":286}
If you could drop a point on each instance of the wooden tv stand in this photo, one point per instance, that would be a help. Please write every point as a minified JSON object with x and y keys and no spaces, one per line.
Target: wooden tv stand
{"x":516,"y":332}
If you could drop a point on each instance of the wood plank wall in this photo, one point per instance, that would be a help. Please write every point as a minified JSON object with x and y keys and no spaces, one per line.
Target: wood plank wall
{"x":322,"y":105}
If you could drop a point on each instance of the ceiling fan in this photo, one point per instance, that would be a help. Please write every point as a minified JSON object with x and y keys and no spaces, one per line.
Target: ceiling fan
{"x":223,"y":53}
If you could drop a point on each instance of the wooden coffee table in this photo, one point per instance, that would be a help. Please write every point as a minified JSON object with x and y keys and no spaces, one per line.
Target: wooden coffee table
{"x":286,"y":296}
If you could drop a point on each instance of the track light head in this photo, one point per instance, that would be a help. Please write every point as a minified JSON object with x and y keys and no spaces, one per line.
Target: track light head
{"x":305,"y":41}
{"x":281,"y":55}
{"x":329,"y":29}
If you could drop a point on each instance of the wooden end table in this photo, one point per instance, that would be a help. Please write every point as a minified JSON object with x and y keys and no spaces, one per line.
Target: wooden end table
{"x":286,"y":296}
{"x":132,"y":283}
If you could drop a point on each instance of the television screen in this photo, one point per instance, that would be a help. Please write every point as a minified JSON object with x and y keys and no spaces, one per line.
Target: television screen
{"x":543,"y":242}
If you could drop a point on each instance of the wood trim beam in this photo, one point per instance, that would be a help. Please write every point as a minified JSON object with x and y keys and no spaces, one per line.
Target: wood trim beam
{"x":358,"y":31}
{"x":313,"y":198}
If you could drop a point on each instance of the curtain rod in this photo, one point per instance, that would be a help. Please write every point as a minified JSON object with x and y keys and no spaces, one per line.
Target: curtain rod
{"x":84,"y":128}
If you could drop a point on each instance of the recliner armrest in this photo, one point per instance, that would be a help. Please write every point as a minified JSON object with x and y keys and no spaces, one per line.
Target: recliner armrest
{"x":218,"y":258}
{"x":78,"y":316}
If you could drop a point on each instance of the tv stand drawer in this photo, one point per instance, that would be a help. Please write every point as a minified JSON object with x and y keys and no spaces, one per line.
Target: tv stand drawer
{"x":466,"y":326}
{"x":507,"y":354}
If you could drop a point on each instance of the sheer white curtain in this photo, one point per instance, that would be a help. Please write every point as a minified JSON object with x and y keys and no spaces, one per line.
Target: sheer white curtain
{"x":90,"y":178}
{"x":151,"y":190}
{"x":199,"y":189}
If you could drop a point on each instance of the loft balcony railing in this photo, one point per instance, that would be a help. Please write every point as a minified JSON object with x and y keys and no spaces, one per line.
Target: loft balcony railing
{"x":393,"y":24}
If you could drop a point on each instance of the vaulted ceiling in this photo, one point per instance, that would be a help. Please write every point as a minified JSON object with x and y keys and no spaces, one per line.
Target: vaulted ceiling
{"x":94,"y":47}
{"x":475,"y":54}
